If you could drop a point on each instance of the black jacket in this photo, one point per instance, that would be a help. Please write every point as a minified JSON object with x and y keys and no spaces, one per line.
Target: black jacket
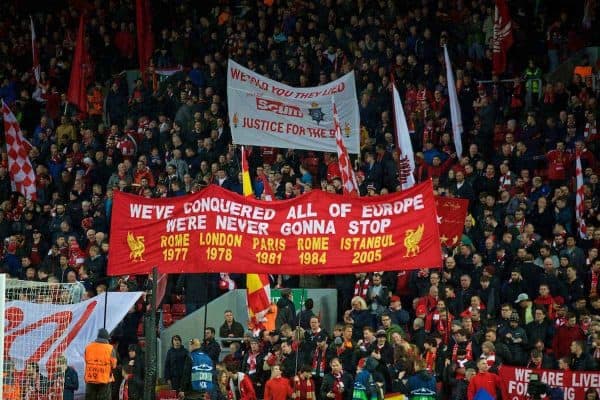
{"x":174,"y":363}
{"x":212,"y":349}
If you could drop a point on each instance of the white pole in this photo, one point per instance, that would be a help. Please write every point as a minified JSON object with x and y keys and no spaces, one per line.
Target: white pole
{"x":2,"y":310}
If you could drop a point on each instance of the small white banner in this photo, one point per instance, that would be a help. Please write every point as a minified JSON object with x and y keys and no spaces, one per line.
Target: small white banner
{"x":263,"y":112}
{"x":37,"y":332}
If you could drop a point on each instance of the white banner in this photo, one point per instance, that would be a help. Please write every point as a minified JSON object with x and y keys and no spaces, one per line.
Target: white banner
{"x":263,"y":112}
{"x":37,"y":332}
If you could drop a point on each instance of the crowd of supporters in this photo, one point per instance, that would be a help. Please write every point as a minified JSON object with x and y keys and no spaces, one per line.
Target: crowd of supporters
{"x":521,"y":287}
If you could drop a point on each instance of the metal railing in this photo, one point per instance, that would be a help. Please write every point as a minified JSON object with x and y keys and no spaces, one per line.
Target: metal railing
{"x":528,"y":92}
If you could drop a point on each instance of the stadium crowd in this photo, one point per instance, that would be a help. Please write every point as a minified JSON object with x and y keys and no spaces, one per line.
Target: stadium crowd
{"x":521,"y":287}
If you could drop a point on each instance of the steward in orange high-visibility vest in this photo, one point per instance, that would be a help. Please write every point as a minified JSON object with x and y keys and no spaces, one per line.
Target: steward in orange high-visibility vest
{"x":100,"y":360}
{"x":10,"y":387}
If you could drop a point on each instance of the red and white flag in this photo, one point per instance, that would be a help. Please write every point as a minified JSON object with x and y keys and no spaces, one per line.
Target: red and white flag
{"x":21,"y":171}
{"x":348,"y":176}
{"x":36,"y":56}
{"x":407,"y":158}
{"x":503,"y":36}
{"x":579,"y":198}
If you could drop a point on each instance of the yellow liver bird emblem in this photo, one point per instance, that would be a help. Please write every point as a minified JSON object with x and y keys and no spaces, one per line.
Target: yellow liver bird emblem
{"x":136,"y":247}
{"x":412,"y":238}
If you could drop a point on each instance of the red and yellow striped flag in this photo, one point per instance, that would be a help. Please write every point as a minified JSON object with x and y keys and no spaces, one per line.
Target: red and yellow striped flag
{"x":258,"y":293}
{"x":258,"y":289}
{"x":246,"y":182}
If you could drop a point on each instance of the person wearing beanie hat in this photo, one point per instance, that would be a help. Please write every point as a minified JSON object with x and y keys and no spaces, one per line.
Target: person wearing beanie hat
{"x":516,"y":340}
{"x":100,"y":361}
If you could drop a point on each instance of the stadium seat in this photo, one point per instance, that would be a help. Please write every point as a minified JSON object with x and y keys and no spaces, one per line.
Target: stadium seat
{"x":140,"y":329}
{"x":166,"y":308}
{"x":167,"y":319}
{"x":166,"y":395}
{"x":178,"y":311}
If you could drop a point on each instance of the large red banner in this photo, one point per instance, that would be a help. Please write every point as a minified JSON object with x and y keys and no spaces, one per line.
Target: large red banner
{"x":452,"y":212}
{"x":216,"y":230}
{"x":515,"y":382}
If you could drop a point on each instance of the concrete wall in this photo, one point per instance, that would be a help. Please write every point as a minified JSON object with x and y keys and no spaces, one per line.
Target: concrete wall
{"x":192,"y":326}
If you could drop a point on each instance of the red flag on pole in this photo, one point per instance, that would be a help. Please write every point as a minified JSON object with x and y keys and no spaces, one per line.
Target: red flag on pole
{"x":348,"y":176}
{"x":21,"y":171}
{"x":503,"y":37}
{"x":35,"y":52}
{"x":452,"y":213}
{"x":579,"y":198}
{"x":145,"y":40}
{"x":80,"y":71}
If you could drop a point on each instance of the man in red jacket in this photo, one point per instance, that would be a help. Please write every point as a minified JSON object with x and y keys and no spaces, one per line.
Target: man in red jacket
{"x":565,"y":335}
{"x":558,"y":162}
{"x":278,"y":387}
{"x":484,"y":380}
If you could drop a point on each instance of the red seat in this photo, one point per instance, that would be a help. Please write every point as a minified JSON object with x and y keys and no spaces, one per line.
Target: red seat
{"x":167,"y":319}
{"x":178,"y":310}
{"x":140,"y":329}
{"x":166,"y":395}
{"x":166,"y":308}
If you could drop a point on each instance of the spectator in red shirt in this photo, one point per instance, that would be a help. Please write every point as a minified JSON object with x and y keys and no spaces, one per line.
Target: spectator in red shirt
{"x":278,"y":387}
{"x":565,"y":335}
{"x":483,"y":380}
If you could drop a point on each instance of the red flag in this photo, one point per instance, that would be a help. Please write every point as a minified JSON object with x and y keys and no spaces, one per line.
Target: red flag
{"x":503,"y":36}
{"x":35,"y":53}
{"x":145,"y":40}
{"x":161,"y":288}
{"x":258,"y":292}
{"x":348,"y":176}
{"x":579,"y":198}
{"x":21,"y":171}
{"x":80,"y":71}
{"x":451,"y":219}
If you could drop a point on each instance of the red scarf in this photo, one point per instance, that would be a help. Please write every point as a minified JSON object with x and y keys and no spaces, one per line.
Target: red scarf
{"x":304,"y":389}
{"x":320,"y":365}
{"x":468,"y":349}
{"x":594,"y":286}
{"x":361,"y":290}
{"x":430,"y":357}
{"x":337,"y":385}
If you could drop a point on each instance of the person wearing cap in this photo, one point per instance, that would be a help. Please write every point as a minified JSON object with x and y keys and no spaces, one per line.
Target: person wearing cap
{"x":398,"y":315}
{"x":100,"y":361}
{"x":382,"y":351}
{"x":174,"y":362}
{"x":516,"y":340}
{"x":525,"y":307}
{"x":314,"y":347}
